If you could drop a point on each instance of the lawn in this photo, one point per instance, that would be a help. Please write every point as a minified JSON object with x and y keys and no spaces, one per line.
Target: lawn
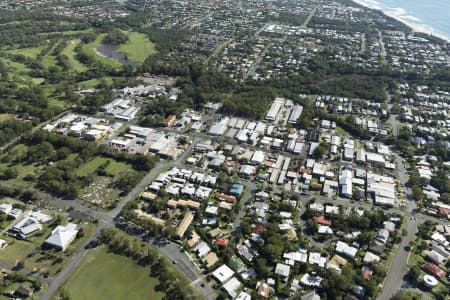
{"x":45,"y":262}
{"x":104,"y":275}
{"x":138,"y":47}
{"x":69,"y":52}
{"x":341,"y":131}
{"x":16,"y":251}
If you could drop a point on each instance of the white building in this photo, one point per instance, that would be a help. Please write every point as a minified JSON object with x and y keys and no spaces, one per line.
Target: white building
{"x":223,"y":273}
{"x":62,"y":236}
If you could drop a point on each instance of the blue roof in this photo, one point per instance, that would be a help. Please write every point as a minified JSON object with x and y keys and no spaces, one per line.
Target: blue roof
{"x":237,"y":188}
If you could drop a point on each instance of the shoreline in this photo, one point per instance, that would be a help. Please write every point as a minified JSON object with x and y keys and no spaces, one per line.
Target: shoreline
{"x":414,"y":27}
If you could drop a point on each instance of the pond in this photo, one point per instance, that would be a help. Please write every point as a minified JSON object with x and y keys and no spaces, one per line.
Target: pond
{"x":111,"y":52}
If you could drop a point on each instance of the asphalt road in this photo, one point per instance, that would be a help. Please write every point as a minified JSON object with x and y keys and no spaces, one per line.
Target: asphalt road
{"x":173,"y":253}
{"x":399,"y":266}
{"x":249,"y":188}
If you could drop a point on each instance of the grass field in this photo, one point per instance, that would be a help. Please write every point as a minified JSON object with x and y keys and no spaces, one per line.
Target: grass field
{"x":94,"y":82}
{"x":29,"y":52}
{"x":22,"y":170}
{"x":114,"y":167}
{"x":5,"y":117}
{"x":138,"y":47}
{"x":103,"y":275}
{"x":69,"y":52}
{"x":21,"y":68}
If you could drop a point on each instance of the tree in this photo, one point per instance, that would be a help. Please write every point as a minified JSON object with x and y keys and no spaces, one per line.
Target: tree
{"x":10,"y":173}
{"x":413,"y":275}
{"x":404,"y":295}
{"x":115,"y":37}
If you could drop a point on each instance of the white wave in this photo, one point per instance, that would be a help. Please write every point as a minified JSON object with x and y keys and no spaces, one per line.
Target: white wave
{"x":403,"y":16}
{"x":369,"y":3}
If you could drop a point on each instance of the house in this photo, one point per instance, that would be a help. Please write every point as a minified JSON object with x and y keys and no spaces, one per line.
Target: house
{"x":434,"y":270}
{"x":370,"y":257}
{"x":310,"y":296}
{"x":346,"y":250}
{"x":262,"y":289}
{"x":184,"y":224}
{"x":322,"y":220}
{"x":147,"y":196}
{"x":26,"y":226}
{"x":224,"y":197}
{"x":232,"y":286}
{"x":436,"y":257}
{"x":169,"y":120}
{"x":257,"y":158}
{"x":315,"y":258}
{"x":389,"y":226}
{"x":222,"y":242}
{"x":283,"y":270}
{"x":3,"y":244}
{"x":62,"y":236}
{"x":223,"y":273}
{"x":440,"y":238}
{"x":23,"y":291}
{"x":202,"y":249}
{"x":243,"y":296}
{"x":311,"y":281}
{"x":5,"y":208}
{"x":210,"y":260}
{"x":193,"y":240}
{"x":237,"y":189}
{"x":382,"y":236}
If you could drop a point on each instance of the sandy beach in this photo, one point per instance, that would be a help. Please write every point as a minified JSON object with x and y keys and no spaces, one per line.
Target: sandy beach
{"x":414,"y":27}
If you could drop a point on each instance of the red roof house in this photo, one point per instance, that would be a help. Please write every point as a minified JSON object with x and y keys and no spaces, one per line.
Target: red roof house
{"x":322,"y":220}
{"x":434,"y":270}
{"x":223,"y":197}
{"x":222,"y":242}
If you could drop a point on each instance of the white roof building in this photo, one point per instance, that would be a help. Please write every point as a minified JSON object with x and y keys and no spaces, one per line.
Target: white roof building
{"x":258,"y":157}
{"x":62,"y":236}
{"x":5,"y":208}
{"x":26,"y":226}
{"x":316,"y":258}
{"x":232,"y":286}
{"x":310,"y":280}
{"x":202,"y":249}
{"x":223,"y":273}
{"x":370,"y":257}
{"x":282,"y":270}
{"x":346,"y":250}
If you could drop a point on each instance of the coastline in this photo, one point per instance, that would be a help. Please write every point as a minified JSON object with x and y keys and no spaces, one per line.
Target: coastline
{"x":413,"y":27}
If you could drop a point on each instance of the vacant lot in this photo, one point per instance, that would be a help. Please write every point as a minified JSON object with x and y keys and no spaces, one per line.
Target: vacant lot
{"x":103,"y":275}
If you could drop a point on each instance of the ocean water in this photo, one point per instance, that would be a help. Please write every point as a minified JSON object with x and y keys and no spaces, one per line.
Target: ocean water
{"x":431,"y":16}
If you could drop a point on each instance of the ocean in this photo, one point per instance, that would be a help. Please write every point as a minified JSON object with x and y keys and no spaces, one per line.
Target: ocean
{"x":430,"y":16}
